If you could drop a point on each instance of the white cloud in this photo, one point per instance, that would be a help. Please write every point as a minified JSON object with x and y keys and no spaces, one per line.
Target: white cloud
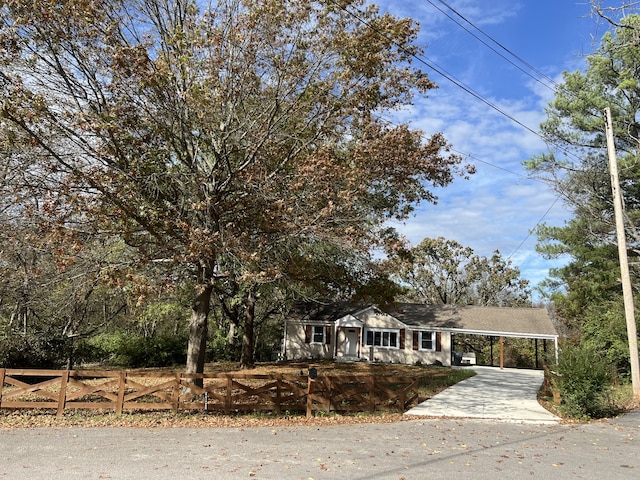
{"x":497,"y":208}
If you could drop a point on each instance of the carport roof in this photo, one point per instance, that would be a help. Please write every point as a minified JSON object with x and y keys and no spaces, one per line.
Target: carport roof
{"x":496,"y":321}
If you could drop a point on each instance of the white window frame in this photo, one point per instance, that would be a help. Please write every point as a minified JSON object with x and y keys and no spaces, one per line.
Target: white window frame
{"x":383,"y":333}
{"x":433,"y":341}
{"x":314,"y":330}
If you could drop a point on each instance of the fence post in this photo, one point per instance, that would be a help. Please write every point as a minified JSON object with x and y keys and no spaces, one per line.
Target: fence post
{"x":310,"y":383}
{"x":278,"y":393}
{"x":227,"y":400}
{"x":402,"y":399}
{"x":175,"y":400}
{"x":62,"y":394}
{"x":122,"y":385}
{"x":2,"y":373}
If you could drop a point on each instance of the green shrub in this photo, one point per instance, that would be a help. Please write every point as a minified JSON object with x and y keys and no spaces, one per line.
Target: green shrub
{"x":584,"y":382}
{"x":125,"y":349}
{"x":605,"y":326}
{"x":220,"y":350}
{"x":33,"y":350}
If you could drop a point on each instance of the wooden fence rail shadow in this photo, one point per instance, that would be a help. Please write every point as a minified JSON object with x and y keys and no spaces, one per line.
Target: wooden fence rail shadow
{"x":221,"y":392}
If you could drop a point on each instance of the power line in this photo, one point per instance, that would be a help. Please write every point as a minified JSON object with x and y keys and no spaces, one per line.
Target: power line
{"x":535,"y":226}
{"x":525,"y":177}
{"x":433,"y":66}
{"x":547,"y":80}
{"x":498,"y":167}
{"x":442,"y":72}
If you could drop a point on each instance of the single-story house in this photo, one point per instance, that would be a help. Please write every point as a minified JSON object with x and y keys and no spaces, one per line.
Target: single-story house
{"x":406,"y":333}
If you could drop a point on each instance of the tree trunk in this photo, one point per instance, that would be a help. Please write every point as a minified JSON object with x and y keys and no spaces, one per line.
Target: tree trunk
{"x":231,"y":333}
{"x":198,"y":327}
{"x":232,"y":340}
{"x":246,"y":357}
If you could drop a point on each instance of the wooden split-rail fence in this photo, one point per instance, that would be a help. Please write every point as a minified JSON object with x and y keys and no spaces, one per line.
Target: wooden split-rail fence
{"x":220,"y":392}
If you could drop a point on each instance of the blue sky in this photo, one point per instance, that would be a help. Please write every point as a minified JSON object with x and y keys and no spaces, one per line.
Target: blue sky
{"x":495,"y":209}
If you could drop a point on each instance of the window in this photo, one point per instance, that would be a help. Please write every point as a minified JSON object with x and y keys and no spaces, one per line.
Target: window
{"x":382,"y":338}
{"x":317,"y":334}
{"x":427,"y":341}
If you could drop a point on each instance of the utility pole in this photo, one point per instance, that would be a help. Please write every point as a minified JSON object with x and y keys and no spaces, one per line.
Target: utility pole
{"x":627,"y":291}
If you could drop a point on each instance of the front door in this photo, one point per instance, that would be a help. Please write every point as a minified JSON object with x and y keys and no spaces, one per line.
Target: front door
{"x":351,"y":342}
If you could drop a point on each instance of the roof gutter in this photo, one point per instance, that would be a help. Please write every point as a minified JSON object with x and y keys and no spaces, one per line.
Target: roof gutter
{"x":494,"y":333}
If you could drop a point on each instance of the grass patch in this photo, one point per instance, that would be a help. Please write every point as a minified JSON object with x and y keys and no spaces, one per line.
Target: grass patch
{"x":440,"y":378}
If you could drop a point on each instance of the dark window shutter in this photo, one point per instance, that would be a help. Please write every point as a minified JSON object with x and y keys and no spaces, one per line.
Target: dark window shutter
{"x":416,"y":339}
{"x":307,"y":334}
{"x":402,"y":338}
{"x":327,"y":334}
{"x":438,"y":341}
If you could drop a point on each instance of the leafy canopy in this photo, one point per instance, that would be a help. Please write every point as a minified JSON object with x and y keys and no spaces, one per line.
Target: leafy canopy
{"x":440,"y":271}
{"x":222,"y":141}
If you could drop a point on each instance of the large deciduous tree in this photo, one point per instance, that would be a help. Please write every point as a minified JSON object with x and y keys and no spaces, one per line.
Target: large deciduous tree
{"x":440,"y":271}
{"x":219,"y":140}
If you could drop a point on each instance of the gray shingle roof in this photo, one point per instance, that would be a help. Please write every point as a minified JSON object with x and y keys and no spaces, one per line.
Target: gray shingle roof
{"x":324,"y":311}
{"x":495,"y":321}
{"x":525,"y":322}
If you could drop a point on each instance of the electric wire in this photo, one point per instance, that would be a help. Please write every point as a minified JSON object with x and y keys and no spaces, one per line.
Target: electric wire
{"x":536,"y":226}
{"x":439,"y":70}
{"x":538,"y":77}
{"x":448,"y":76}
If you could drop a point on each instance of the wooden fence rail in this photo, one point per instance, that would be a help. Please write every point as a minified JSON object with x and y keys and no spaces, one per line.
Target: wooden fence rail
{"x":222,"y":392}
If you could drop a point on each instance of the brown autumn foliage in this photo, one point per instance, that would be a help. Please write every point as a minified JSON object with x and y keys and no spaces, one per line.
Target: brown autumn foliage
{"x":221,"y":144}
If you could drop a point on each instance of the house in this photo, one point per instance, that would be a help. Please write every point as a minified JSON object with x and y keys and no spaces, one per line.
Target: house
{"x":406,"y":333}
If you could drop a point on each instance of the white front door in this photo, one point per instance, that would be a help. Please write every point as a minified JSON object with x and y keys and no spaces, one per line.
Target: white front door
{"x":351,"y":342}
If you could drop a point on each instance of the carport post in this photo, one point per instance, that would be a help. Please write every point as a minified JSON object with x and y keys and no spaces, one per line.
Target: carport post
{"x":491,"y":348}
{"x":501,"y":353}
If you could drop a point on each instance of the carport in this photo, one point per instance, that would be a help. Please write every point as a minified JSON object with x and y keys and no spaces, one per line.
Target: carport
{"x":493,"y":322}
{"x":499,"y":338}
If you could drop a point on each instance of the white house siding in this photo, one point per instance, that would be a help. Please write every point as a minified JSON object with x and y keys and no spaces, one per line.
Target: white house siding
{"x":386,"y":355}
{"x":374,"y":319}
{"x":377,"y":320}
{"x":296,"y":348}
{"x":410,"y":356}
{"x":341,"y":338}
{"x":429,"y":357}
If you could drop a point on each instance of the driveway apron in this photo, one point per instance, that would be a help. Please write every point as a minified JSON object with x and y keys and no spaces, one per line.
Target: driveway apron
{"x":506,"y":395}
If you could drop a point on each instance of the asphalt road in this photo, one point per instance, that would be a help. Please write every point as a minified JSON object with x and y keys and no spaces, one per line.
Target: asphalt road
{"x":414,"y":449}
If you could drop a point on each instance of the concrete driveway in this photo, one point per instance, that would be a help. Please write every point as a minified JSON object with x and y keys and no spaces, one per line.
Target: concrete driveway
{"x":507,"y":395}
